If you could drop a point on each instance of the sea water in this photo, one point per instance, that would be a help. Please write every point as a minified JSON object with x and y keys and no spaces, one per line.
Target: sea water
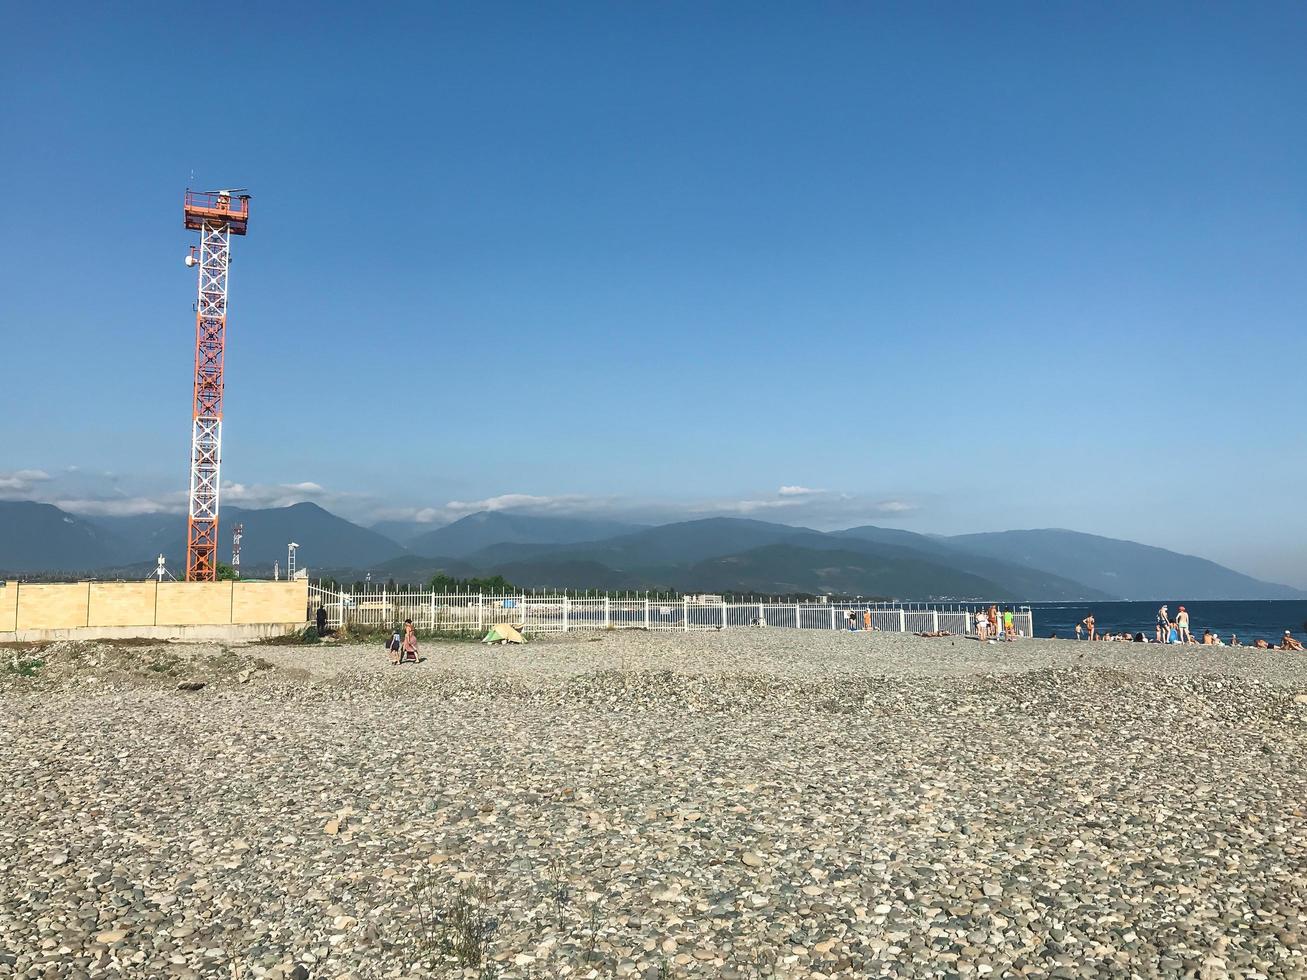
{"x":1250,"y":620}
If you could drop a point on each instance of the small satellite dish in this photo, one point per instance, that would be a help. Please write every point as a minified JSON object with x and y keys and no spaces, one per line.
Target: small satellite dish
{"x":191,"y":260}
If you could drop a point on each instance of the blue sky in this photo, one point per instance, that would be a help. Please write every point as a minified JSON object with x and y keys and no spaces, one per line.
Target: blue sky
{"x":949,"y":267}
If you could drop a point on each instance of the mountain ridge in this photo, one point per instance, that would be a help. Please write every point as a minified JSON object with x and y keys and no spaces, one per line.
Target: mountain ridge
{"x":1050,"y":564}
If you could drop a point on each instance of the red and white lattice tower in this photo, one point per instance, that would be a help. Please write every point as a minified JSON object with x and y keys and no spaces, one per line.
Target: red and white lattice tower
{"x":216,"y":215}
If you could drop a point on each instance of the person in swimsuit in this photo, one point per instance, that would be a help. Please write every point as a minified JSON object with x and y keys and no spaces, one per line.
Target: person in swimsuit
{"x":1163,"y":624}
{"x":1182,"y":624}
{"x":1088,"y":622}
{"x":1289,"y":643}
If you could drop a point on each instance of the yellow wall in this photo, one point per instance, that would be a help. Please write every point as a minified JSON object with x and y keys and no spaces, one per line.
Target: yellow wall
{"x":269,"y":602}
{"x":9,"y":607}
{"x":193,"y":604}
{"x":26,"y":606}
{"x":122,"y":604}
{"x":52,"y":607}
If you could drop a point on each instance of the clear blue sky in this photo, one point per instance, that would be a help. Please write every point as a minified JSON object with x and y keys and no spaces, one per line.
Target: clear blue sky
{"x":958,"y":266}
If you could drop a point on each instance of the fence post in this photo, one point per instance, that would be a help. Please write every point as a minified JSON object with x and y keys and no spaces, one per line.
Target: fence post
{"x":646,"y":612}
{"x":798,"y":617}
{"x":832,"y":617}
{"x":724,"y":614}
{"x":566,"y":609}
{"x":685,"y":614}
{"x":934,"y":613}
{"x":903,"y":621}
{"x":608,"y":620}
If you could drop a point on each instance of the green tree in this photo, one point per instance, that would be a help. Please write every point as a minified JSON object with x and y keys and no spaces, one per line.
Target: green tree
{"x":226,"y":573}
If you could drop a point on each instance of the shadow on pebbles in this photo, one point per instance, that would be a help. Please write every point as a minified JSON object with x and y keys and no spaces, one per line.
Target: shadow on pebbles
{"x":757,"y":803}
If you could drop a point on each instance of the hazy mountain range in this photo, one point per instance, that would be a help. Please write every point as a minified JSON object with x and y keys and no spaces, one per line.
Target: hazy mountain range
{"x":716,"y":554}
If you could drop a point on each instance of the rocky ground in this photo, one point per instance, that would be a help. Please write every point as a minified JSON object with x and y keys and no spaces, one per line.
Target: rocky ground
{"x":752,"y":803}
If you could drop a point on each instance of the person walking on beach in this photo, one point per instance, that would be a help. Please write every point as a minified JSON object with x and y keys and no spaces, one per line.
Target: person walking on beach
{"x":1163,"y":624}
{"x":409,"y":649}
{"x":1182,"y":624}
{"x":1007,"y":624}
{"x":1088,"y":622}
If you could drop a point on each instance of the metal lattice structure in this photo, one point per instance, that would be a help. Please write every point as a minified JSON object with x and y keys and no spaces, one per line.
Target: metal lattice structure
{"x":216,"y":216}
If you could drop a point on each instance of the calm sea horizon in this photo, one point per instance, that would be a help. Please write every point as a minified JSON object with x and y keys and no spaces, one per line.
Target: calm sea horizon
{"x":1248,"y":619}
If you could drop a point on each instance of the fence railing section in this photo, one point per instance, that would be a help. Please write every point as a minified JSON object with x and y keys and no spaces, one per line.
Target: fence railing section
{"x":564,"y":613}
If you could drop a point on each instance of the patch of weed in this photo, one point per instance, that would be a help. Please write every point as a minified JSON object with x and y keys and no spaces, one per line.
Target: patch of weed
{"x":21,"y":666}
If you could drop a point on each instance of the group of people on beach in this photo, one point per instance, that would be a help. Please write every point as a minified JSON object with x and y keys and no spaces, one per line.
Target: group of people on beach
{"x":990,"y":624}
{"x":403,"y":649}
{"x":1177,"y":630}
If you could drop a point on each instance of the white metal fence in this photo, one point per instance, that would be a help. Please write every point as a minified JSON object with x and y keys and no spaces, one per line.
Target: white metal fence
{"x":565,"y":613}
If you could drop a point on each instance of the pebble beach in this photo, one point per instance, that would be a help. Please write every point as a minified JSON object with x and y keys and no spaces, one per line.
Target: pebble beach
{"x":754,"y":803}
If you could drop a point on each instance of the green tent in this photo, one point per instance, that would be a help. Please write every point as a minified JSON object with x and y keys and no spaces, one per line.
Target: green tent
{"x":503,"y":633}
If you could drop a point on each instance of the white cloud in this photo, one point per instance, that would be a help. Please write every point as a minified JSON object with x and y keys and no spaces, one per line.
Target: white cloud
{"x":255,"y":495}
{"x":895,"y":507}
{"x":523,"y":501}
{"x":21,"y":481}
{"x":798,"y":491}
{"x":123,"y":506}
{"x":746,"y":506}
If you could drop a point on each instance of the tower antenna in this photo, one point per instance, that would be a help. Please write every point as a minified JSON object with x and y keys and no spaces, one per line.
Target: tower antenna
{"x":216,"y":215}
{"x":237,"y":532}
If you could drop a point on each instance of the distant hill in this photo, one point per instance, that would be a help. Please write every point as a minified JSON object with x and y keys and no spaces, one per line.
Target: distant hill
{"x":42,"y":538}
{"x":141,"y":537}
{"x":324,"y":538}
{"x":486,"y":528}
{"x":415,"y":569}
{"x":1030,"y":584}
{"x":401,"y":532}
{"x":713,"y":554}
{"x":668,"y":544}
{"x":1124,"y":569}
{"x":565,"y":574}
{"x":662,"y":556}
{"x":783,"y":568}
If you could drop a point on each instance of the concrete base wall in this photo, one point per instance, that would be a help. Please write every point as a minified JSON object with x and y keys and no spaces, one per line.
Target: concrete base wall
{"x":185,"y":634}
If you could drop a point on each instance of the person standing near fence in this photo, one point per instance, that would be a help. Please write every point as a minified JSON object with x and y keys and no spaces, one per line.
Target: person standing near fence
{"x":1007,"y":624}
